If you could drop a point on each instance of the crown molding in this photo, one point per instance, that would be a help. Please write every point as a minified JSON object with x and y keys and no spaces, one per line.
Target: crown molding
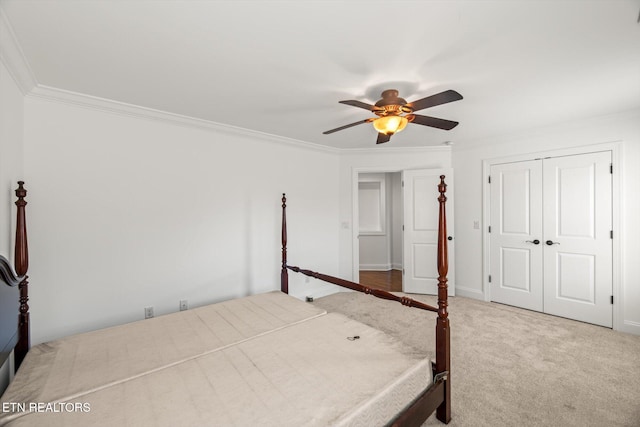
{"x":62,"y":96}
{"x":379,"y":150}
{"x":52,"y":94}
{"x":13,"y":58}
{"x":579,"y":124}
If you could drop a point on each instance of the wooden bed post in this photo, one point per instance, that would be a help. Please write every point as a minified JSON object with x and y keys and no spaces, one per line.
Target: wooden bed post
{"x":443,"y":346}
{"x":284,"y":276}
{"x":22,"y":265}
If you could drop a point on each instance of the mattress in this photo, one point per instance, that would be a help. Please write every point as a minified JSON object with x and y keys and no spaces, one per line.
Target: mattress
{"x":283,"y":362}
{"x":62,"y":369}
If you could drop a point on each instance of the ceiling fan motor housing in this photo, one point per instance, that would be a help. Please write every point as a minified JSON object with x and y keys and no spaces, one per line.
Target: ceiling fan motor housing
{"x":391,"y":104}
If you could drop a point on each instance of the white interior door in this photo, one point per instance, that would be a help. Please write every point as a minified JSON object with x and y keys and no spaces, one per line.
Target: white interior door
{"x":550,"y":238}
{"x":578,"y":247}
{"x":516,"y":234}
{"x":420,"y":236}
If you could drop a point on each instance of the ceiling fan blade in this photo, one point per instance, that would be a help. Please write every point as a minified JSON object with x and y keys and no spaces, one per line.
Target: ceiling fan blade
{"x":358,"y":104}
{"x":434,"y":122}
{"x":347,"y":126}
{"x":382,"y":138}
{"x":433,"y":100}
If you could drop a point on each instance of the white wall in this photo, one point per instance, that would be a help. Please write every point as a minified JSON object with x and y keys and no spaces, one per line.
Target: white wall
{"x":11,"y":164}
{"x":379,"y":159}
{"x":467,"y":162}
{"x":127,"y":212}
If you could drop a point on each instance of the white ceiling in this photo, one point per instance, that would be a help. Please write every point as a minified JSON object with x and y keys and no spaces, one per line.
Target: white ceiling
{"x":280,"y":67}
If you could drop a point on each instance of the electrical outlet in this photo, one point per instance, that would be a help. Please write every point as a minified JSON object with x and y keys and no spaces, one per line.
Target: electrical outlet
{"x":184,"y":305}
{"x":476,"y":225}
{"x":148,"y":312}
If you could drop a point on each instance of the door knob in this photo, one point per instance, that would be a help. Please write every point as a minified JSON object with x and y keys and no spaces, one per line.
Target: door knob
{"x":450,"y":238}
{"x":535,"y":242}
{"x":550,"y":242}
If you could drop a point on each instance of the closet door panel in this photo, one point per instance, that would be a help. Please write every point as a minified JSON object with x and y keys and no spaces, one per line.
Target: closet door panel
{"x":516,"y":223}
{"x":578,"y":246}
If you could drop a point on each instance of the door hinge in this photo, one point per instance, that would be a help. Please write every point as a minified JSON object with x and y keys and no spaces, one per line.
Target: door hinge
{"x":489,"y":278}
{"x":489,"y":229}
{"x":611,"y":299}
{"x":403,"y":271}
{"x":402,"y":227}
{"x":611,"y":168}
{"x":489,"y":179}
{"x":403,"y":183}
{"x":611,"y":234}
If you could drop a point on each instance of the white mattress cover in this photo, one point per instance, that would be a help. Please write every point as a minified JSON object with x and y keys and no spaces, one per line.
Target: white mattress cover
{"x":62,"y":369}
{"x":308,"y":374}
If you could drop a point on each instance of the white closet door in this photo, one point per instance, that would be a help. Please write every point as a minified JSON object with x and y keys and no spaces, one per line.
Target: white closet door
{"x":420,"y":237}
{"x":516,"y":234}
{"x":578,"y":246}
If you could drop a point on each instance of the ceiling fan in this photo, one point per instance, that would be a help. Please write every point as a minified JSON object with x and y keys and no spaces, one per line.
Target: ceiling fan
{"x":394,"y":113}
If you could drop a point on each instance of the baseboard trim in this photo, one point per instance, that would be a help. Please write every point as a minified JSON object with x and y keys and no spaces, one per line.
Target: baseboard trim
{"x":630,"y":327}
{"x":461,"y":291}
{"x":375,"y":267}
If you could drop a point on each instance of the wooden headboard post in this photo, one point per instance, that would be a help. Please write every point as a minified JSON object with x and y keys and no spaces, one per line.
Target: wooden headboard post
{"x":22,"y":265}
{"x":443,"y":346}
{"x":284,"y":276}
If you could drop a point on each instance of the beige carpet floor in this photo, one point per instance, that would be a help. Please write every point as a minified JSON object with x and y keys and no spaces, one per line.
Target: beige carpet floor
{"x":514,"y":367}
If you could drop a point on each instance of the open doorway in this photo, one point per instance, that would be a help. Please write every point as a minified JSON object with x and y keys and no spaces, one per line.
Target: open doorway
{"x":396,"y":227}
{"x":380,"y":218}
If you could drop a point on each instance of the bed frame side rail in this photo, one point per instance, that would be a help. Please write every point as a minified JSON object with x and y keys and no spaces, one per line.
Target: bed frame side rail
{"x":364,"y":289}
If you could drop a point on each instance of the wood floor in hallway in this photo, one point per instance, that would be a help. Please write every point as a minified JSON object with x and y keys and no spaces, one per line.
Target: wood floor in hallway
{"x":390,"y":281}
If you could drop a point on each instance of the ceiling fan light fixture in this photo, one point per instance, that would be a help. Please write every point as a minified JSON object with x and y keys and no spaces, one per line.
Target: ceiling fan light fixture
{"x":394,"y":113}
{"x":389,"y":125}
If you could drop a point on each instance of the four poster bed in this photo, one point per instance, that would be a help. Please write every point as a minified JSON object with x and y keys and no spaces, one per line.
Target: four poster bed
{"x":267,"y":359}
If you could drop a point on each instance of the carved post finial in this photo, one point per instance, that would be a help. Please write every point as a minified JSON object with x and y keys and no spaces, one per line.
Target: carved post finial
{"x":21,"y":248}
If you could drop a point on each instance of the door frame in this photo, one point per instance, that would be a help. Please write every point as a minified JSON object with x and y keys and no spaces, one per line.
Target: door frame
{"x":616,"y":149}
{"x":355,"y":211}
